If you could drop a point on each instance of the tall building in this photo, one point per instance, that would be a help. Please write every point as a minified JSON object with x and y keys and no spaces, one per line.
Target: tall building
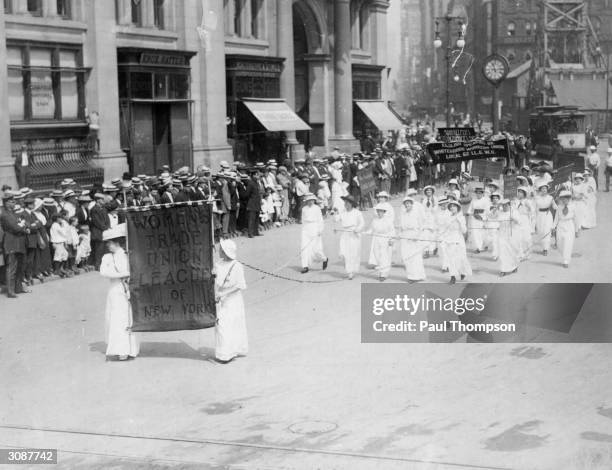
{"x":94,"y":88}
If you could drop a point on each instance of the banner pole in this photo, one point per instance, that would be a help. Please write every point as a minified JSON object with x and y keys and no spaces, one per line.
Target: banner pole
{"x":127,"y":241}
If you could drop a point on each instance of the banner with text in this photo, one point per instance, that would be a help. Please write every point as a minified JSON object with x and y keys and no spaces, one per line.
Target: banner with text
{"x":457,"y":134}
{"x":442,"y":152}
{"x":171,"y":280}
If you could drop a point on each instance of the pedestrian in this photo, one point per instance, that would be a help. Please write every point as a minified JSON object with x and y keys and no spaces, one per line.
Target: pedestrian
{"x":383,"y":233}
{"x":429,"y":204}
{"x":509,"y":239}
{"x":608,"y":169}
{"x":311,"y":248}
{"x":254,"y":193}
{"x":58,"y":235}
{"x":121,"y":342}
{"x":14,"y":244}
{"x":579,"y":196}
{"x":453,"y":237}
{"x":476,"y":211}
{"x":33,"y":242}
{"x":231,"y":339}
{"x":590,"y":216}
{"x":352,"y":223}
{"x":566,"y":226}
{"x":593,"y":162}
{"x":524,"y":210}
{"x":491,"y":226}
{"x":44,"y":256}
{"x":411,"y":244}
{"x":99,"y":222}
{"x":545,"y":206}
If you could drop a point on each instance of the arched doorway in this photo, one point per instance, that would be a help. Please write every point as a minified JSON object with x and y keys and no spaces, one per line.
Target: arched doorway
{"x":310,"y":73}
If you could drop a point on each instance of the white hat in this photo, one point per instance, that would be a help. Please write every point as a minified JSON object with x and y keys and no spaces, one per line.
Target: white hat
{"x":453,"y":181}
{"x":380,"y":207}
{"x":429,"y":187}
{"x":592,"y":147}
{"x":454,"y":203}
{"x":609,"y":149}
{"x":408,"y":198}
{"x":411,"y":192}
{"x":565,"y":193}
{"x":229,"y":248}
{"x":118,"y":231}
{"x":383,"y":194}
{"x":578,"y":175}
{"x":309,"y":197}
{"x":503,"y":202}
{"x":524,"y":189}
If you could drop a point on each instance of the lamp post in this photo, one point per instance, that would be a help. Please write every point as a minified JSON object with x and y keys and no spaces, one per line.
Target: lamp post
{"x":606,"y":62}
{"x":449,"y":48}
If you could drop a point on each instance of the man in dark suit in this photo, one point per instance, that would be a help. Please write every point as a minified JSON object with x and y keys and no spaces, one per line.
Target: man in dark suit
{"x":254,"y":192}
{"x":14,"y":245}
{"x":82,"y":212}
{"x":99,"y":222}
{"x":32,"y":242}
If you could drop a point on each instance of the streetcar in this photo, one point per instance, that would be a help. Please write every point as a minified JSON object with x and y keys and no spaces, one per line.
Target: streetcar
{"x":558,"y":135}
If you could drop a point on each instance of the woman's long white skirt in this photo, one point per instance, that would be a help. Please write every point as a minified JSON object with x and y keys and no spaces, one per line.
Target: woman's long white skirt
{"x":381,"y":254}
{"x":590,"y":213}
{"x":544,"y":222}
{"x":456,"y":255}
{"x":566,"y":235}
{"x":118,"y":316}
{"x":509,"y":252}
{"x":350,"y":251}
{"x":412,"y":257}
{"x":231,"y":333}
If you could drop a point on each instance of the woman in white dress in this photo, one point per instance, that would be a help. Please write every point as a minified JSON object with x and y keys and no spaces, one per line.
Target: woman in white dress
{"x":566,"y":226}
{"x":121,"y":343}
{"x":476,"y":212}
{"x":590,"y":218}
{"x":510,"y":236}
{"x":383,"y":232}
{"x":311,"y":248}
{"x":523,"y":209}
{"x":491,"y":225}
{"x":442,"y":219}
{"x":411,"y":224}
{"x":453,"y":238}
{"x":579,"y":196}
{"x":231,"y":338}
{"x":352,"y":224}
{"x":429,"y":204}
{"x":545,"y":206}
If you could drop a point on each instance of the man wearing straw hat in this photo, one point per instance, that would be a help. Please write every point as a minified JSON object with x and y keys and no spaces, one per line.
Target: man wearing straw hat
{"x":14,"y":245}
{"x":312,"y":231}
{"x":99,"y":222}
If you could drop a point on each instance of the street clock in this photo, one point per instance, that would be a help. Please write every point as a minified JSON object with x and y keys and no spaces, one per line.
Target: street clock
{"x":495,"y":69}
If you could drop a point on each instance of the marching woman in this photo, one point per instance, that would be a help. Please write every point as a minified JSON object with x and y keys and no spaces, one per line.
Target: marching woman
{"x":230,"y":332}
{"x":491,"y":225}
{"x":411,"y":223}
{"x":352,"y":224}
{"x":120,"y":341}
{"x":566,"y":226}
{"x":523,"y":209}
{"x":453,"y":189}
{"x":580,"y":195}
{"x":383,"y":232}
{"x":545,"y":206}
{"x":476,"y":211}
{"x":429,"y":204}
{"x":442,"y":219}
{"x":453,"y":239}
{"x":389,"y":213}
{"x":590,"y":218}
{"x":312,"y":230}
{"x":509,"y":239}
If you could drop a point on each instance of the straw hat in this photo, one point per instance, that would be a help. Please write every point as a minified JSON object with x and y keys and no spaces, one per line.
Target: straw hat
{"x":380,"y":207}
{"x":309,"y":197}
{"x":229,"y":248}
{"x":118,"y":231}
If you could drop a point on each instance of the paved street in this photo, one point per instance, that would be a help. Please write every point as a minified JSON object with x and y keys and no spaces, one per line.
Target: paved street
{"x":309,"y":395}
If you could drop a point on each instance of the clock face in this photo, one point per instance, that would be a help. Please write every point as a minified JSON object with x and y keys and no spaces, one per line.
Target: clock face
{"x":495,"y":69}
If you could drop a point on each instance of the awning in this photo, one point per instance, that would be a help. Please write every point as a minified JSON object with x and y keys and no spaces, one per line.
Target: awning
{"x":380,"y":115}
{"x":585,"y":94}
{"x":275,"y":115}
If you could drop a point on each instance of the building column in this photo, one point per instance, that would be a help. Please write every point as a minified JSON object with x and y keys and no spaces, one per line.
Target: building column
{"x":343,"y":78}
{"x":284,"y":28}
{"x":208,"y":90}
{"x":49,"y":8}
{"x":124,"y":12}
{"x":148,"y":13}
{"x":20,"y":6}
{"x":102,"y":91}
{"x":378,"y":19}
{"x":7,"y":169}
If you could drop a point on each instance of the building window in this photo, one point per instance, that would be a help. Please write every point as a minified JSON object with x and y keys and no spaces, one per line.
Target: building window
{"x":528,"y":28}
{"x":45,"y":83}
{"x":64,"y":9}
{"x":158,"y":13}
{"x":255,"y":14}
{"x":511,"y":29}
{"x":136,"y":11}
{"x":35,"y":7}
{"x":7,"y":6}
